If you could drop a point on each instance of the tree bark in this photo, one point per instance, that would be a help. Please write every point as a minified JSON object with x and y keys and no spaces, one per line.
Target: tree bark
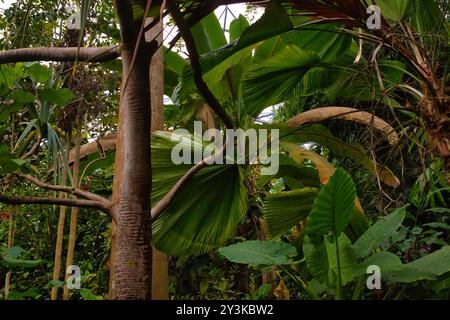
{"x":160,"y":272}
{"x":60,"y":54}
{"x":132,"y":255}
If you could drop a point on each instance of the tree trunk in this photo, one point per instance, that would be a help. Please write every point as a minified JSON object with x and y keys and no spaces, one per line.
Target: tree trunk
{"x":131,"y":257}
{"x":10,"y":244}
{"x":160,"y":272}
{"x":60,"y":230}
{"x":74,"y":210}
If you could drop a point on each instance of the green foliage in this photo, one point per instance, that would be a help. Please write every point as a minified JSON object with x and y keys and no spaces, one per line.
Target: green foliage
{"x":285,"y":210}
{"x":260,"y":253}
{"x":195,"y":223}
{"x":379,"y":233}
{"x":11,"y":258}
{"x":333,"y":206}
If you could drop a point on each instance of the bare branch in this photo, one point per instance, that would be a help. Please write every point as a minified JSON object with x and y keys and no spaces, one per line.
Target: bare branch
{"x":196,"y":67}
{"x":167,"y":199}
{"x":55,"y":201}
{"x":34,"y":148}
{"x":60,"y":54}
{"x":74,"y":191}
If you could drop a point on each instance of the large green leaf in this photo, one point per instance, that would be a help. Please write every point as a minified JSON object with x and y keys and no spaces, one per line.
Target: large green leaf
{"x":285,"y":210}
{"x":395,"y":10}
{"x":196,"y":221}
{"x":216,"y":63}
{"x":174,"y":65}
{"x":39,"y":73}
{"x":354,"y":81}
{"x":437,"y":262}
{"x":426,"y":268}
{"x":326,"y":40}
{"x":429,"y":21}
{"x":237,"y":27}
{"x":268,"y":48}
{"x":8,"y":163}
{"x":260,"y":253}
{"x":334,"y":205}
{"x":290,"y":73}
{"x":208,"y":34}
{"x":276,"y":79}
{"x":20,"y":263}
{"x":322,"y":262}
{"x":274,"y":21}
{"x":379,"y":232}
{"x":349,"y":266}
{"x":22,"y":97}
{"x":11,"y":258}
{"x":386,"y":261}
{"x":59,"y":96}
{"x":317,"y":260}
{"x":408,"y":275}
{"x":288,"y":168}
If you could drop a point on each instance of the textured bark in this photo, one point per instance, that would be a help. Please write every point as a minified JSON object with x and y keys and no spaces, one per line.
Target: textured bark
{"x":160,"y":269}
{"x":132,"y":254}
{"x":60,"y":54}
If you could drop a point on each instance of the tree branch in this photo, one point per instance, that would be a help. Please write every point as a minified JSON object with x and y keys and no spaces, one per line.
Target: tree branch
{"x":34,"y":148}
{"x":74,"y":191}
{"x":167,"y":199}
{"x":124,"y":11}
{"x":60,"y":54}
{"x":196,"y":67}
{"x":55,"y":201}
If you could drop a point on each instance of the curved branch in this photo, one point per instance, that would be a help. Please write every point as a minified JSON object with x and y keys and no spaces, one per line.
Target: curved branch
{"x":55,"y":201}
{"x":33,"y":149}
{"x":165,"y":201}
{"x":196,"y":67}
{"x":74,"y":191}
{"x":60,"y":54}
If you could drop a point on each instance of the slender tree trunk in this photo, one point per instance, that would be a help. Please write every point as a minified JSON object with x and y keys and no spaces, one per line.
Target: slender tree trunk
{"x":74,"y":210}
{"x":11,"y":211}
{"x":10,"y":244}
{"x":132,"y":253}
{"x":60,"y":231}
{"x":160,"y":272}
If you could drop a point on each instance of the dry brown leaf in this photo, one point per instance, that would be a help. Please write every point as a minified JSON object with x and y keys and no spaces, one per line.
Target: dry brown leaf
{"x":345,"y":113}
{"x":281,"y":291}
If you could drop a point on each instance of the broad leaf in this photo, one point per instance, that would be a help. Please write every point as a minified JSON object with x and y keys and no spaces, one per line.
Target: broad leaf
{"x":39,"y":73}
{"x":349,"y":266}
{"x":260,"y":253}
{"x":379,"y":232}
{"x":387,"y":261}
{"x":208,"y":34}
{"x":437,"y":262}
{"x":285,"y":210}
{"x":195,"y":222}
{"x":59,"y":97}
{"x":334,"y":206}
{"x":317,"y":260}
